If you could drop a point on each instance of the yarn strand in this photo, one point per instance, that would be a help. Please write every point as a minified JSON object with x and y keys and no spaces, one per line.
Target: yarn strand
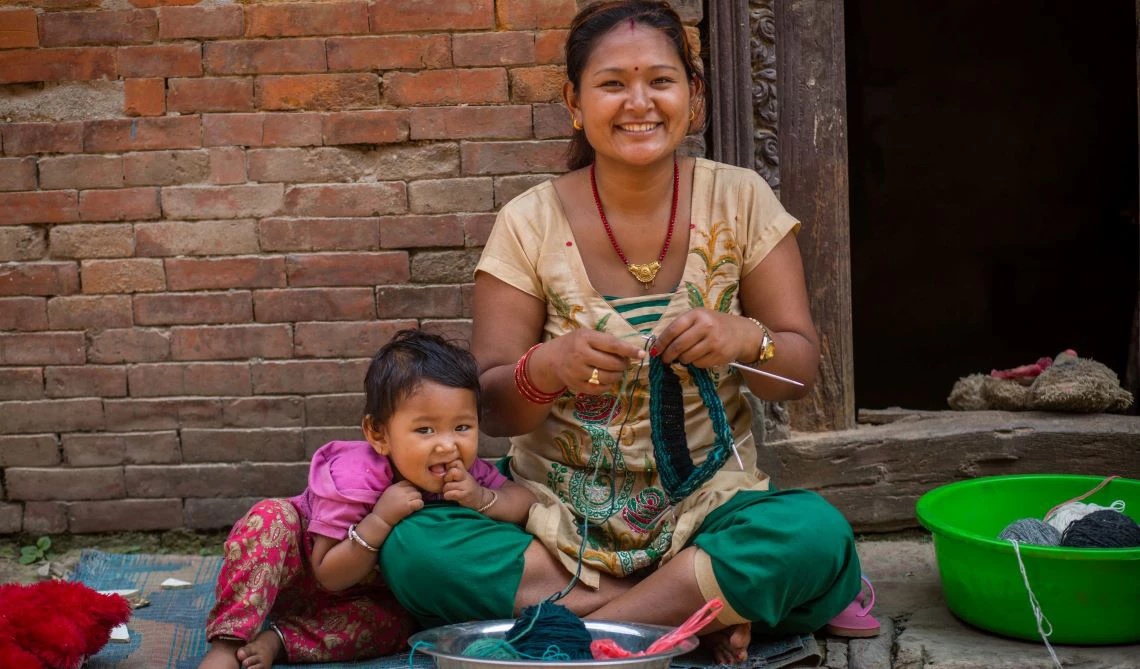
{"x":1038,"y":614}
{"x":1080,"y":497}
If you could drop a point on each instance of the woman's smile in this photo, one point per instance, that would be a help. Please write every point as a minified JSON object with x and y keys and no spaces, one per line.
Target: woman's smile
{"x":639,"y":128}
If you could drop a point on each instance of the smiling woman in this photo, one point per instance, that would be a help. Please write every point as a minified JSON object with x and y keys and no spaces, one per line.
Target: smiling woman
{"x":609,"y":306}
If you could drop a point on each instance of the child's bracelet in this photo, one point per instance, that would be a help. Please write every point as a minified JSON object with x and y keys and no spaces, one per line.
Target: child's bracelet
{"x":357,"y":539}
{"x":494,"y":498}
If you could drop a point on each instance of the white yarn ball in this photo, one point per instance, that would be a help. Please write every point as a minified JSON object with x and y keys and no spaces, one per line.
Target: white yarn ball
{"x":1074,"y":511}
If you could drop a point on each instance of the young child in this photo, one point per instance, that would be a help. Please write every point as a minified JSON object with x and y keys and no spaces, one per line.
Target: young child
{"x":307,"y":565}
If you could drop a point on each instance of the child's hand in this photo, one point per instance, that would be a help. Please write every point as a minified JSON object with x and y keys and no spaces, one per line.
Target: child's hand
{"x":459,"y":486}
{"x":398,"y":502}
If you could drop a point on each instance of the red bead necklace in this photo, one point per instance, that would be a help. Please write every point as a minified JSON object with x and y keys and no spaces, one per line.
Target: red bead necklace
{"x":648,"y":272}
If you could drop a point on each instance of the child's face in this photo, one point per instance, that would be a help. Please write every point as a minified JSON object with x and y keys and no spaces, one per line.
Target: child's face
{"x":432,"y":427}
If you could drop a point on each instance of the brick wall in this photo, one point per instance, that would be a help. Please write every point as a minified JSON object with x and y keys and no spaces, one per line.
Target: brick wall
{"x":212,"y":213}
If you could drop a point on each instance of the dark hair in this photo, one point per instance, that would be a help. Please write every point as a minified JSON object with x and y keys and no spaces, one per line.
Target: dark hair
{"x":412,"y":357}
{"x":593,"y":22}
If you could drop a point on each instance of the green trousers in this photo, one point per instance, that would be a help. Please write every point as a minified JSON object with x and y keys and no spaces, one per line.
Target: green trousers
{"x":784,"y":559}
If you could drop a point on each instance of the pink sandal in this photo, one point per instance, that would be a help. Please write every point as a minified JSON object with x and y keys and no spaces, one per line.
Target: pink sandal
{"x":856,"y":620}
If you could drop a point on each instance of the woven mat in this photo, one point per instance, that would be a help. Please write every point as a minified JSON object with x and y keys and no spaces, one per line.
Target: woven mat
{"x":169,"y":633}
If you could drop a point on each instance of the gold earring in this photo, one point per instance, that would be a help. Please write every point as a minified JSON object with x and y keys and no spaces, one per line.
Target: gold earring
{"x":576,"y":124}
{"x":692,"y":114}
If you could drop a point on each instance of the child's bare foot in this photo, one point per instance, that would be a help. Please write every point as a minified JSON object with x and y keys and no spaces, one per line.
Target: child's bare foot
{"x":729,"y":645}
{"x":261,"y":652}
{"x":222,"y":655}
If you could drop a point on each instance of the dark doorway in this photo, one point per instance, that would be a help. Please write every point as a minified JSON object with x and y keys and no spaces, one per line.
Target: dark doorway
{"x":993,"y":167}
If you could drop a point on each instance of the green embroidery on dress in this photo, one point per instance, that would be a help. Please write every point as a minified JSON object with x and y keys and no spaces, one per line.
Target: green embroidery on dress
{"x":600,"y":326}
{"x":556,"y":480}
{"x":566,"y":311}
{"x":716,"y":254}
{"x":642,"y":511}
{"x":696,"y":296}
{"x":567,"y":443}
{"x":724,"y":302}
{"x":597,"y":497}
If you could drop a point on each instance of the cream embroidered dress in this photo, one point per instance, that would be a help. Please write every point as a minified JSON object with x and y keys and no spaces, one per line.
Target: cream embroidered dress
{"x":572,"y":462}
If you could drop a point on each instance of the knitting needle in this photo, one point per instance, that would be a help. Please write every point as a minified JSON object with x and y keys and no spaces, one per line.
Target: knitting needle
{"x":749,"y":369}
{"x":737,"y":453}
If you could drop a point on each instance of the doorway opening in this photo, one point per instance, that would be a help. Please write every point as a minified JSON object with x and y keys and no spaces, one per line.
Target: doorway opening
{"x":993,"y":185}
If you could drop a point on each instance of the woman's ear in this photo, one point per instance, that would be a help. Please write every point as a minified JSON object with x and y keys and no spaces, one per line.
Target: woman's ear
{"x":697,"y":103}
{"x":570,"y":98}
{"x":377,"y":437}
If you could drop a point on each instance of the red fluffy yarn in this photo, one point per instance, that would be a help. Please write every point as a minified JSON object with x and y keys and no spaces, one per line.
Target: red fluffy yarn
{"x":55,"y":624}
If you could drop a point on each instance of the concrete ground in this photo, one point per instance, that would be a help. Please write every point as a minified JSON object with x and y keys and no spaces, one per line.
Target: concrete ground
{"x":919,"y":632}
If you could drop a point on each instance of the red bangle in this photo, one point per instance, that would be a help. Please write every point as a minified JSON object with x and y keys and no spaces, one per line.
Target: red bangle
{"x":526,"y":388}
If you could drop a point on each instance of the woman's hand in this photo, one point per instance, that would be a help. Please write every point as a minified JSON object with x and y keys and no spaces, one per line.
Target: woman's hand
{"x":708,"y":338}
{"x":570,"y":360}
{"x":397,"y":502}
{"x":459,"y":486}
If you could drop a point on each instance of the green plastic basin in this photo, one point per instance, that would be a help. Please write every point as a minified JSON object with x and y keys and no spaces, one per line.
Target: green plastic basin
{"x":1090,"y":595}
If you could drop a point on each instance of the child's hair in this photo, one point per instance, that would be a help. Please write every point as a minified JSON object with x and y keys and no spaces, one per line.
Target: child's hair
{"x":412,"y":357}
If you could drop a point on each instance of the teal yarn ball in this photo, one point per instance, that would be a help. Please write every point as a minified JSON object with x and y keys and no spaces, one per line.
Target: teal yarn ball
{"x":547,"y":632}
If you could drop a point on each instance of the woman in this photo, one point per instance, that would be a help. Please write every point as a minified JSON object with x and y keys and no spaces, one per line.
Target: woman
{"x":608,"y":304}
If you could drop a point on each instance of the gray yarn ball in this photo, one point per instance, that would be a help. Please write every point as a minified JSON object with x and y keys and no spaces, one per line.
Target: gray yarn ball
{"x":1031,"y":531}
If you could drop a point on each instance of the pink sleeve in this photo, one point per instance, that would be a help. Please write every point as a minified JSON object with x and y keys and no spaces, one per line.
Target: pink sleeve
{"x":486,"y":474}
{"x":331,"y":518}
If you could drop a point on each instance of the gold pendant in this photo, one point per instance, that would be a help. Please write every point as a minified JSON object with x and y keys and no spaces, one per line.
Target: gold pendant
{"x":644,"y":273}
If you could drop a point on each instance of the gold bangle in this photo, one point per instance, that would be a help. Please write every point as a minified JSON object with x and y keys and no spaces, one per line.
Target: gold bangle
{"x":359,"y":540}
{"x":767,"y":344}
{"x":494,"y":498}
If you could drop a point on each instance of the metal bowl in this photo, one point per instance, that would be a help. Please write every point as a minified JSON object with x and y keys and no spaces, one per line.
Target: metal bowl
{"x":446,"y":644}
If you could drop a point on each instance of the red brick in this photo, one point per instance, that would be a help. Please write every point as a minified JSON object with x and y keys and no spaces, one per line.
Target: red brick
{"x":165,"y":168}
{"x":66,"y":415}
{"x":444,"y":266}
{"x":552,"y":120}
{"x":365,"y":127}
{"x":347,"y":269}
{"x":80,"y":171}
{"x":265,"y":56}
{"x":291,"y":20}
{"x":166,"y":60}
{"x":199,"y":22}
{"x":102,"y":240}
{"x":196,"y":378}
{"x":33,"y":450}
{"x":319,"y":234}
{"x":24,"y":138}
{"x":446,"y":87}
{"x":214,"y":94}
{"x":18,"y":28}
{"x":48,"y":348}
{"x":550,"y":47}
{"x":227,"y":166}
{"x":457,"y":332}
{"x":23,"y":313}
{"x":128,"y":448}
{"x":11,"y":518}
{"x":40,"y":278}
{"x":125,"y":515}
{"x":42,"y":518}
{"x":262,"y":480}
{"x":123,"y":204}
{"x":419,"y":301}
{"x":33,"y":65}
{"x":397,"y":16}
{"x":147,"y":4}
{"x":22,"y":242}
{"x":526,"y":14}
{"x":130,"y":275}
{"x":172,"y":238}
{"x":128,"y":415}
{"x":318,"y":91}
{"x":509,"y":187}
{"x":234,"y":445}
{"x":495,"y":48}
{"x":40,"y":484}
{"x":322,"y":165}
{"x":291,"y":130}
{"x":89,"y":312}
{"x":315,"y":437}
{"x":18,"y":174}
{"x":443,"y":196}
{"x":334,"y":409}
{"x":231,"y":342}
{"x":38,"y":207}
{"x":397,"y":232}
{"x":254,"y":200}
{"x":21,"y":383}
{"x":128,"y":345}
{"x":262,"y":412}
{"x":232,"y":129}
{"x":194,"y":308}
{"x":220,"y":513}
{"x":313,"y":304}
{"x":537,"y":84}
{"x":347,"y":199}
{"x":341,"y":340}
{"x":222,"y":273}
{"x":103,"y":27}
{"x":513,"y":157}
{"x":389,"y":52}
{"x":86,"y":381}
{"x":471,"y":122}
{"x":308,"y":376}
{"x":167,"y":132}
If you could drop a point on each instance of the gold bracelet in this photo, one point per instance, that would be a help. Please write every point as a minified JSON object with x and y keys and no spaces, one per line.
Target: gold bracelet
{"x":494,"y":498}
{"x":767,"y":344}
{"x":359,"y":540}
